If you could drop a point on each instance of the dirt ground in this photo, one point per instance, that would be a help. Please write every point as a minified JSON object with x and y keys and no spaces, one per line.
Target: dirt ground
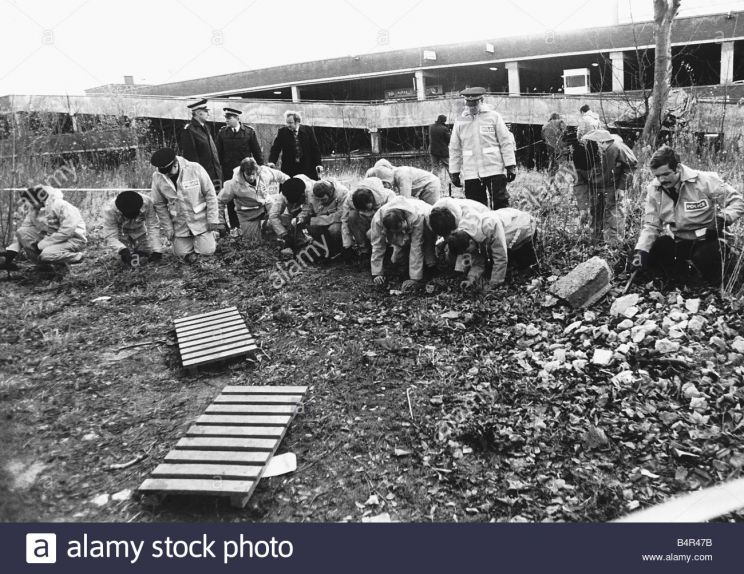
{"x":431,"y":407}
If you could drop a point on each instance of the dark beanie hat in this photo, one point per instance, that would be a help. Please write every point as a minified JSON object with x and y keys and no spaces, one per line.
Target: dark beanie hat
{"x":293,"y":189}
{"x":129,"y":203}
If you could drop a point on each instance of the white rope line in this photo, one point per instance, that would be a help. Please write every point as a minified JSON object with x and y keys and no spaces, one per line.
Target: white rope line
{"x":82,"y":189}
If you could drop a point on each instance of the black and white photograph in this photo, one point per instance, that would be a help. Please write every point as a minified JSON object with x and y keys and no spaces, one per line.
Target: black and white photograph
{"x":403,"y":262}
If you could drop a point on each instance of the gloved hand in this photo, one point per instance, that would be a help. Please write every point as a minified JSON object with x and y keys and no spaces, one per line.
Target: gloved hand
{"x":455,"y":178}
{"x":155,"y":257}
{"x":126,"y":256}
{"x":380,"y":280}
{"x":347,"y":255}
{"x":466,"y":284}
{"x":215,"y":226}
{"x":8,"y":264}
{"x":410,"y":285}
{"x":511,"y":172}
{"x":640,"y":259}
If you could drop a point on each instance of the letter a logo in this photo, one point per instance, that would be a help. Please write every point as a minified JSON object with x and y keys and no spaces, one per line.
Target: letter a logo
{"x":41,"y":548}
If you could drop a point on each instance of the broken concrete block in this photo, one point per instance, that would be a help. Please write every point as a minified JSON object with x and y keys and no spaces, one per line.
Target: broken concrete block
{"x":602,"y":357}
{"x":586,"y":284}
{"x":695,"y":324}
{"x":666,"y":346}
{"x":620,"y":304}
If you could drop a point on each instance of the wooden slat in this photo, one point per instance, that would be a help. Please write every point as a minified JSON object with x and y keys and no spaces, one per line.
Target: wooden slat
{"x":198,"y":486}
{"x":218,"y":344}
{"x":218,"y":348}
{"x":228,"y":471}
{"x":225,"y":443}
{"x":190,"y":340}
{"x":234,"y":431}
{"x":202,"y":315}
{"x":258,"y":457}
{"x":258,"y":399}
{"x":209,"y":321}
{"x":263,"y":389}
{"x":251,"y":409}
{"x":245,"y":420}
{"x":212,"y":326}
{"x":219,"y":356}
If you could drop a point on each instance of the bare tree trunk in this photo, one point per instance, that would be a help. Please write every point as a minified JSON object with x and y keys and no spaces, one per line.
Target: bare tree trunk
{"x":664,"y":13}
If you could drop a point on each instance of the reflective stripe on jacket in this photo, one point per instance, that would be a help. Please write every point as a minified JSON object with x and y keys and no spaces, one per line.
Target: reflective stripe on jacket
{"x":188,"y":208}
{"x":481,"y":145}
{"x":700,"y":193}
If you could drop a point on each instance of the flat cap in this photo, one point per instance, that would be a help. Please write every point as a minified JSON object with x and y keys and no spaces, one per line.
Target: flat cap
{"x":473,"y":93}
{"x":200,"y":105}
{"x":163,"y":157}
{"x":232,"y":111}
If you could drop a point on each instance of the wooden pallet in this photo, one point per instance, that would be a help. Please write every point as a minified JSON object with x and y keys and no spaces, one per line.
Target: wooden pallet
{"x":212,"y":337}
{"x":225,"y":452}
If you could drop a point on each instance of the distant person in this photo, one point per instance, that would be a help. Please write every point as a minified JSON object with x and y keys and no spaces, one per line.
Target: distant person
{"x":53,"y":233}
{"x":130,"y":226}
{"x":358,"y":211}
{"x":235,"y":142}
{"x":588,"y":121}
{"x":604,"y":168}
{"x":685,"y":216}
{"x":482,"y":152}
{"x":408,"y":181}
{"x":552,"y":134}
{"x":197,"y":144}
{"x":439,"y":139}
{"x":298,"y":148}
{"x":248,"y":189}
{"x":186,"y":204}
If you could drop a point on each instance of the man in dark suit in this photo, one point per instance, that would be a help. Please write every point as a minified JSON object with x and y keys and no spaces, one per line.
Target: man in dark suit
{"x":439,"y":138}
{"x":235,"y":142}
{"x":197,"y":144}
{"x":298,"y":147}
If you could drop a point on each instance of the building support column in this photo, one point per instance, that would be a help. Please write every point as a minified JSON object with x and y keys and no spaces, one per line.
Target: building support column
{"x":618,"y":71}
{"x":295,"y":94}
{"x":374,"y":136}
{"x":73,"y":120}
{"x":727,"y":62}
{"x":513,"y":70}
{"x":420,"y":86}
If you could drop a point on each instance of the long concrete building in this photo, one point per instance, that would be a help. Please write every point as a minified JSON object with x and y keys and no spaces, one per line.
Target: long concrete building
{"x":381,"y":102}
